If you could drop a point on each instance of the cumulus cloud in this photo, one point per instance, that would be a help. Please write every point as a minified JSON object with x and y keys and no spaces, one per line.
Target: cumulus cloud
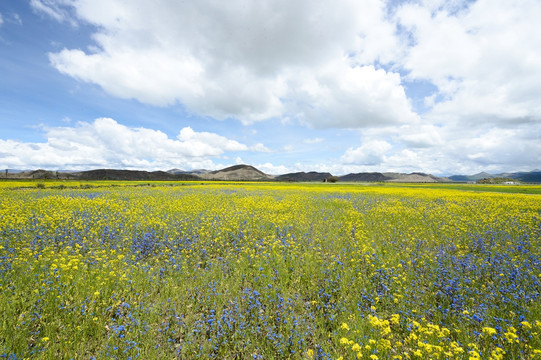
{"x":106,"y":143}
{"x":318,"y":62}
{"x":269,"y":168}
{"x":371,"y":152}
{"x":445,"y":150}
{"x":244,"y":60}
{"x":483,"y":56}
{"x":328,"y":64}
{"x":351,"y":97}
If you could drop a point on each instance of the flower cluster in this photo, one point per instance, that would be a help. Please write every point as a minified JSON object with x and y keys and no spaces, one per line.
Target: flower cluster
{"x":265,"y":270}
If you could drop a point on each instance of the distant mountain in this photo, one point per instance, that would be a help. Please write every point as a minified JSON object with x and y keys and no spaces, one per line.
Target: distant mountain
{"x":176,"y":171}
{"x":414,"y":177}
{"x":304,"y":176}
{"x":36,"y":174}
{"x":392,"y":177}
{"x":192,"y":172}
{"x":250,"y":173}
{"x":362,"y":177}
{"x":532,"y":176}
{"x":237,"y":173}
{"x":460,"y":178}
{"x":112,"y":174}
{"x":198,"y":171}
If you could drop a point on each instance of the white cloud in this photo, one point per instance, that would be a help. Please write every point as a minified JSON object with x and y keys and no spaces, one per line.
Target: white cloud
{"x":56,"y":9}
{"x":483,"y":59}
{"x":371,"y":152}
{"x":329,"y":64}
{"x":246,"y":60}
{"x":445,"y":150}
{"x":106,"y":143}
{"x":1,"y":19}
{"x":271,"y":169}
{"x":316,"y":140}
{"x":422,"y":136}
{"x":338,"y":95}
{"x":259,"y":147}
{"x":208,"y":144}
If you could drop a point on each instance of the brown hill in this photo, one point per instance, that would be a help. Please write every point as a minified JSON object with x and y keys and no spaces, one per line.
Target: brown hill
{"x":237,"y":173}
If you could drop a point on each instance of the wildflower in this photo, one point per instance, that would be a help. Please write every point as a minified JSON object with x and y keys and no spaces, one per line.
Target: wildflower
{"x":489,"y":331}
{"x":309,"y":353}
{"x":498,"y":353}
{"x":526,"y":324}
{"x":511,"y":335}
{"x":344,"y":326}
{"x":356,"y":347}
{"x":45,"y":339}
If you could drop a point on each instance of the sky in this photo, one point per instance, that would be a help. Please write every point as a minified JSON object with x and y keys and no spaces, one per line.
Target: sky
{"x":344,"y":86}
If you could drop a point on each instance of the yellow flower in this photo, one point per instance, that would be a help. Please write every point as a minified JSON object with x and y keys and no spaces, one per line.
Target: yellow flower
{"x":489,"y":331}
{"x":310,"y":353}
{"x":344,"y":326}
{"x":44,"y":339}
{"x":526,"y":324}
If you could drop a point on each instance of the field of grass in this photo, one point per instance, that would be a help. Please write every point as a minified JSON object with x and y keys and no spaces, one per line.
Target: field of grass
{"x":268,"y":271}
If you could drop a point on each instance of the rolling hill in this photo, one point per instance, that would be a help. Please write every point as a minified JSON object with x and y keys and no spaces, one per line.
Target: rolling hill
{"x":237,"y":173}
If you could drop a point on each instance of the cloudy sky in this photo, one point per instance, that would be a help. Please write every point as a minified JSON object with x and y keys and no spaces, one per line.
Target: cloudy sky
{"x":444,"y":87}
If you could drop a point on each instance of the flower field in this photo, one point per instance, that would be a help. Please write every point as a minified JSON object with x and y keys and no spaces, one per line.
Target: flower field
{"x":268,"y":271}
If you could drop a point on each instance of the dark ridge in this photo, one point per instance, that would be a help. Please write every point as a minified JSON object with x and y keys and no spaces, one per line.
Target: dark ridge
{"x":370,"y":177}
{"x":112,"y":174}
{"x":459,"y":178}
{"x":533,"y":176}
{"x":304,"y":176}
{"x":528,"y":177}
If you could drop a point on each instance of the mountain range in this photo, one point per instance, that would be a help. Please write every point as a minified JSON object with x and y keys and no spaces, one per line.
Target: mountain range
{"x":531,"y":176}
{"x":250,"y":173}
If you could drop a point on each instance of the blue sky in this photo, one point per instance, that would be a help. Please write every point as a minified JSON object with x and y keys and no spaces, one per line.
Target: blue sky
{"x":444,"y":87}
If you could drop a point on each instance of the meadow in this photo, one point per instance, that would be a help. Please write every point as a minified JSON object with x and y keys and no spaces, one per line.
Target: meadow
{"x":269,"y":271}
